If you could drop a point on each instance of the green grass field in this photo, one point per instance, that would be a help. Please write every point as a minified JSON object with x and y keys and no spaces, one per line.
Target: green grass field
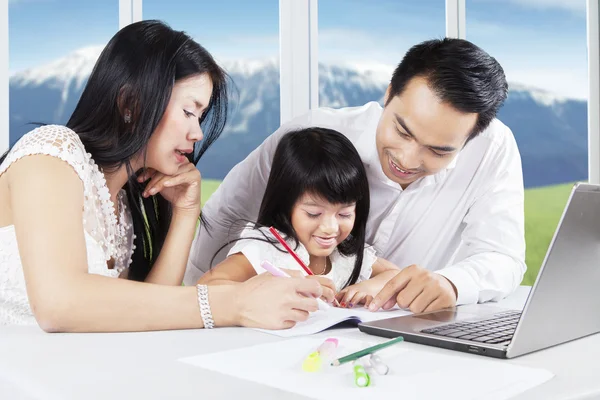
{"x":543,"y":208}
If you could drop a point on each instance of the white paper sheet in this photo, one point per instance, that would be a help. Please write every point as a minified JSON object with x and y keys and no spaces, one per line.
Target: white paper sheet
{"x":323,"y":319}
{"x":414,"y":374}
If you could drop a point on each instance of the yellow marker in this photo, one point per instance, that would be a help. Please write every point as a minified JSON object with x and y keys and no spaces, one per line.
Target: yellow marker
{"x":312,"y":363}
{"x":315,"y":359}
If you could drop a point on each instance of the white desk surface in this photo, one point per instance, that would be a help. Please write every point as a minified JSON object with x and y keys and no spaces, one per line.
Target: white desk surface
{"x":37,"y":365}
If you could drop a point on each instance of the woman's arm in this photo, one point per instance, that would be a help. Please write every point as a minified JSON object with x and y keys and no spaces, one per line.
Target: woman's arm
{"x":237,"y":268}
{"x":47,"y":203}
{"x":169,"y":267}
{"x":182,"y":190}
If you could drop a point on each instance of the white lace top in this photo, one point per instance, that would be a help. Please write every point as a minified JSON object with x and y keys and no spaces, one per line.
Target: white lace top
{"x":257,"y":251}
{"x":105,"y":237}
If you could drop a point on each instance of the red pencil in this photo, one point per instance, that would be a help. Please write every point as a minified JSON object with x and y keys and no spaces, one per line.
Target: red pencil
{"x":293,"y":254}
{"x":289,"y":249}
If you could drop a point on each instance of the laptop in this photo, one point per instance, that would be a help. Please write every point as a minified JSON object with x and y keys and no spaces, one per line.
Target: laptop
{"x":563,"y":304}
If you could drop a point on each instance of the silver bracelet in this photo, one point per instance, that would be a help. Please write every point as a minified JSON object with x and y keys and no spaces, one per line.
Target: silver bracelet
{"x":205,"y":312}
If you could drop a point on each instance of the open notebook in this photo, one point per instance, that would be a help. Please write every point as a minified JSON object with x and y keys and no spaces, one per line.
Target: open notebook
{"x":324,"y":319}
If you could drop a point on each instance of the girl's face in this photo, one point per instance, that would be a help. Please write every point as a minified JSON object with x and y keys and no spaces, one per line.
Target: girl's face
{"x":179,"y":127}
{"x":320,"y":225}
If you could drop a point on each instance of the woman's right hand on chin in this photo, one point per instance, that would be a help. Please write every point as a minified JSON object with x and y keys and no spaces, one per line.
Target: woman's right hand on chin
{"x":269,"y":302}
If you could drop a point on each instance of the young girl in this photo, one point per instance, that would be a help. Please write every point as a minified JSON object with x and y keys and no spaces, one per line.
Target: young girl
{"x":317,"y":197}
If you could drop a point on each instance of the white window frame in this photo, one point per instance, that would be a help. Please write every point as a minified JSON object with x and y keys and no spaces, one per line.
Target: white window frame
{"x":456,"y":19}
{"x":299,"y":80}
{"x":4,"y":81}
{"x":593,"y":47}
{"x":129,"y":11}
{"x":298,"y":58}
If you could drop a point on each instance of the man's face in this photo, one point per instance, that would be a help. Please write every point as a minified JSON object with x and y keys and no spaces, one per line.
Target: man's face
{"x":418,"y":135}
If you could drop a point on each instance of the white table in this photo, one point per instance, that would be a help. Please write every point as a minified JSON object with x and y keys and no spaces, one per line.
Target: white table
{"x":37,"y":365}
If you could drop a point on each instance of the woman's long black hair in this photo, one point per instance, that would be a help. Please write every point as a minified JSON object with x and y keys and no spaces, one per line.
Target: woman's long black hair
{"x":137,"y":71}
{"x":322,"y":162}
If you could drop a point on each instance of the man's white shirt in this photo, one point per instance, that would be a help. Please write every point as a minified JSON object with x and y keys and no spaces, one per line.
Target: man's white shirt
{"x":466,"y":222}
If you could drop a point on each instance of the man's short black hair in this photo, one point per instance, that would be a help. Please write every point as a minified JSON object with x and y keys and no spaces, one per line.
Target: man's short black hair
{"x":460,"y":73}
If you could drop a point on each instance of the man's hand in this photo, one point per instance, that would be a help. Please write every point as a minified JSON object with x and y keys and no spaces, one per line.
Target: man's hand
{"x":417,"y":289}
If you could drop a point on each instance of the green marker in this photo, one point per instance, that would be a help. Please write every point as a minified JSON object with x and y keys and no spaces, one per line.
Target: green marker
{"x":361,"y":378}
{"x":367,"y":351}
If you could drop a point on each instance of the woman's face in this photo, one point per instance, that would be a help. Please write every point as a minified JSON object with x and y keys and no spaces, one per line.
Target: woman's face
{"x":179,"y":127}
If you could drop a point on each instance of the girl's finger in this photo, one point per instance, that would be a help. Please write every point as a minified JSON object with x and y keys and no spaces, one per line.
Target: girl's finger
{"x":328,"y":295}
{"x":368,"y":301}
{"x":358,"y":298}
{"x":347,"y":297}
{"x":340,"y":295}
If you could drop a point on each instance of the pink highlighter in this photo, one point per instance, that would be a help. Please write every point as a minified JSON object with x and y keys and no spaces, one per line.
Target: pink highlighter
{"x":325,"y":352}
{"x":273,"y":270}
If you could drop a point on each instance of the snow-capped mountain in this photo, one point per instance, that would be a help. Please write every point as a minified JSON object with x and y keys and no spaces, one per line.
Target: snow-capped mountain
{"x":551,"y":131}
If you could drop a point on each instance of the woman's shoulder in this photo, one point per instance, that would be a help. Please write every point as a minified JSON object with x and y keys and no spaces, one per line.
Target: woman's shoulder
{"x":53,"y":140}
{"x":57,"y":136}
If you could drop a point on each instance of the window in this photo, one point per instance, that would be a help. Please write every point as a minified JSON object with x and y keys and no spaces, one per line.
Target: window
{"x":361,"y":42}
{"x":52,"y":50}
{"x":243,"y":37}
{"x":542,"y":48}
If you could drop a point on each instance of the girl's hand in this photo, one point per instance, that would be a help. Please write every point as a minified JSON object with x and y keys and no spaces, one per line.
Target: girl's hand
{"x":354,"y":295}
{"x":327,"y":284}
{"x":364,"y":292}
{"x":182,"y":190}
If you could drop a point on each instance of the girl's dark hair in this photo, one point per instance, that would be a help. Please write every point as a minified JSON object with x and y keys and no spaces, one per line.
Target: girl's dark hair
{"x":137,"y":71}
{"x":322,"y":162}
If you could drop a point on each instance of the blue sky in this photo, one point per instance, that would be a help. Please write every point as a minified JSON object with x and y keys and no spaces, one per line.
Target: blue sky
{"x":539,"y":42}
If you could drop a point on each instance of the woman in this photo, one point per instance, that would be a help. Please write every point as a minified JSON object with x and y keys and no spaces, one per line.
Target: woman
{"x":115,"y":193}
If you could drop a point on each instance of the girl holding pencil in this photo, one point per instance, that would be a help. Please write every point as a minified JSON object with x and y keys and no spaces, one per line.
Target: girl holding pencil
{"x":317,"y":201}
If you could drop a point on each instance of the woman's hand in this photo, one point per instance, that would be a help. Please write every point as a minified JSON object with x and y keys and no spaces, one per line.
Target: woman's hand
{"x":182,"y":190}
{"x":269,"y":302}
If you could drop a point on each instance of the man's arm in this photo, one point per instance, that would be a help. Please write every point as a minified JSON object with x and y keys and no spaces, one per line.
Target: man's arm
{"x":490,"y":263}
{"x":234,"y":203}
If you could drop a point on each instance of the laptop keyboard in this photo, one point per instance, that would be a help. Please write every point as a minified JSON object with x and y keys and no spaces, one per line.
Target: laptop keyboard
{"x":498,"y":329}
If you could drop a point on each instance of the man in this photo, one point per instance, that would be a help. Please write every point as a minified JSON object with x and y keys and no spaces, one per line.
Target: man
{"x":445,"y":179}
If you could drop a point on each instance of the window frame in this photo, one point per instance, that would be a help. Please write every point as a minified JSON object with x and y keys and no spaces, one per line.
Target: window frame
{"x":299,"y":81}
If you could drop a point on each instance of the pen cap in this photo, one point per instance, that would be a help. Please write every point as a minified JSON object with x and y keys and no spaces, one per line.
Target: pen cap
{"x":378,"y":365}
{"x":361,"y":378}
{"x":327,"y":349}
